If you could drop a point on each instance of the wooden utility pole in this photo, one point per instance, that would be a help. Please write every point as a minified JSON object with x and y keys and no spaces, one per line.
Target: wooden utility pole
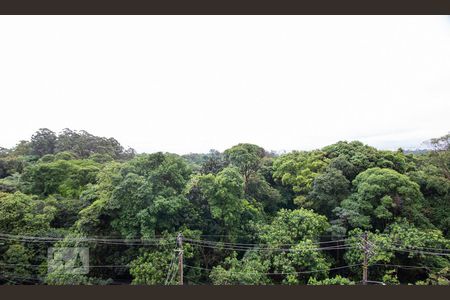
{"x":180,"y":256}
{"x":365,"y":263}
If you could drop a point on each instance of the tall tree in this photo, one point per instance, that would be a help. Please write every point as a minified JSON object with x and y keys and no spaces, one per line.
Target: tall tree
{"x":43,"y":142}
{"x":247,"y":158}
{"x":328,"y":190}
{"x":441,"y":153}
{"x":382,"y":195}
{"x":298,"y":170}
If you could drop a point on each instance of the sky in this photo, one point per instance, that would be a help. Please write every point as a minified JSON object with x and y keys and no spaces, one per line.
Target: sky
{"x":192,"y":83}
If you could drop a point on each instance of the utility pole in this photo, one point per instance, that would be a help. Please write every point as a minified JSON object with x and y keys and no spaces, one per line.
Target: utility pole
{"x":366,"y":254}
{"x":180,"y":256}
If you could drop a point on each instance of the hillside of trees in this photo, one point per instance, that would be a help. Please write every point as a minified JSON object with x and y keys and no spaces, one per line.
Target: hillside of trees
{"x":242,"y":216}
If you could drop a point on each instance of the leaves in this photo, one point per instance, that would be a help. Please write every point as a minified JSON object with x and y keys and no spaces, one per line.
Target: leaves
{"x":299,"y":170}
{"x":380,"y":196}
{"x":248,"y":216}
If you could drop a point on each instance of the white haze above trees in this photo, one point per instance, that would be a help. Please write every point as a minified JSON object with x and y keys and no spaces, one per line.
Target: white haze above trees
{"x":190,"y":83}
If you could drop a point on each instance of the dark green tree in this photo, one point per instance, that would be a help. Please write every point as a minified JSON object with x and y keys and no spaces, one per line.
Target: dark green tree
{"x":43,"y":142}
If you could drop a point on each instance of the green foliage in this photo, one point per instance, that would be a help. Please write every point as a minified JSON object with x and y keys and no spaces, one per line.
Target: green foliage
{"x":436,"y":191}
{"x":83,"y":145}
{"x":294,"y":265}
{"x":66,"y":210}
{"x":224,"y":195}
{"x":100,"y":158}
{"x":360,"y":156}
{"x":10,"y":184}
{"x":329,"y":189}
{"x":400,"y":244}
{"x":380,"y":243}
{"x":247,"y":216}
{"x":64,"y":177}
{"x":16,"y":264}
{"x":247,"y":158}
{"x":151,"y":267}
{"x":213,"y":163}
{"x":394,"y":160}
{"x":65,"y":155}
{"x":43,"y":142}
{"x":250,"y":270}
{"x":404,"y":235}
{"x":299,"y":170}
{"x":343,"y":164}
{"x":390,"y":277}
{"x":142,"y":197}
{"x":21,"y":214}
{"x":380,"y":196}
{"x":160,"y":264}
{"x":296,"y":231}
{"x":290,"y":226}
{"x":438,"y":278}
{"x":261,"y":191}
{"x":337,"y":280}
{"x":10,"y":165}
{"x":166,"y":172}
{"x":441,"y":154}
{"x":23,"y":148}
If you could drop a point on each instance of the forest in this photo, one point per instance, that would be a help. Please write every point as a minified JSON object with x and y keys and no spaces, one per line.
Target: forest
{"x":345,"y":214}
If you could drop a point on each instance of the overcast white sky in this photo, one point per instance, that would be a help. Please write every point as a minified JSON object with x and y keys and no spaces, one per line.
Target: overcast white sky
{"x":192,"y":83}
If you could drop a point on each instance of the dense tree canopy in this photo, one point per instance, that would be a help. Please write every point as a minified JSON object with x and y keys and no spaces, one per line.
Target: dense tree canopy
{"x":242,"y":216}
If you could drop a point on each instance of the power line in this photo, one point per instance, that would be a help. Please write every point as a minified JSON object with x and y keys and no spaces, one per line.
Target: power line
{"x":405,"y":266}
{"x":157,"y":241}
{"x":213,"y":244}
{"x":242,"y":246}
{"x":9,"y":276}
{"x":95,"y":239}
{"x":255,"y":244}
{"x":256,"y":249}
{"x":169,"y":272}
{"x":241,"y":236}
{"x":420,"y":252}
{"x":265,"y":246}
{"x":174,"y":273}
{"x":180,"y":256}
{"x":400,"y":249}
{"x":281,"y":273}
{"x":153,"y":241}
{"x":421,"y":248}
{"x":90,"y":266}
